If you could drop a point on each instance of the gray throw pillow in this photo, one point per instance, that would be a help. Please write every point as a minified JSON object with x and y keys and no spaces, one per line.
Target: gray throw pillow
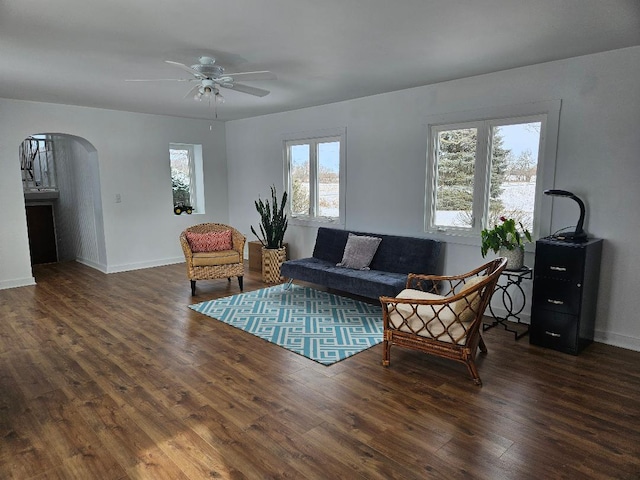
{"x":359,"y":251}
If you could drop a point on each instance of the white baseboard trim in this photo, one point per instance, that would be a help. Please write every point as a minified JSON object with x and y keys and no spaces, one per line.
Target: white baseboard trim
{"x":608,"y":338}
{"x":616,"y":340}
{"x":17,"y":282}
{"x":138,"y":266}
{"x":90,"y":263}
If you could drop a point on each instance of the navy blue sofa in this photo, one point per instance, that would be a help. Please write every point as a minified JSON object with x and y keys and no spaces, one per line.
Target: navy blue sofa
{"x":395,"y":258}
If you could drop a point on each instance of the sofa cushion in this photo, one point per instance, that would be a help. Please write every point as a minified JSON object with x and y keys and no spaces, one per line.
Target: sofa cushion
{"x":210,"y":241}
{"x":395,"y":253}
{"x":330,"y":244}
{"x":359,"y":251}
{"x":366,"y":283}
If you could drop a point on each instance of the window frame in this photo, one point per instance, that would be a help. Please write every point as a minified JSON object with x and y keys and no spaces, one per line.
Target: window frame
{"x":313,"y":139}
{"x":196,"y":175}
{"x":548,"y":113}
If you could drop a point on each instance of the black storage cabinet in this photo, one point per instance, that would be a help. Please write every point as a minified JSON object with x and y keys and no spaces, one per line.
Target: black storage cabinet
{"x":565,"y":292}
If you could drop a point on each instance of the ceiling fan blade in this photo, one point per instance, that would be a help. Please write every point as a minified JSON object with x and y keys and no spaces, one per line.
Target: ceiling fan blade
{"x":258,"y":92}
{"x":246,"y":76}
{"x":158,"y":80}
{"x":188,"y":69}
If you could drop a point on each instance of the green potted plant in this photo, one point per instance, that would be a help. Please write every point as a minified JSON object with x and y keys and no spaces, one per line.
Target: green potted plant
{"x":273,"y":225}
{"x":507,"y":239}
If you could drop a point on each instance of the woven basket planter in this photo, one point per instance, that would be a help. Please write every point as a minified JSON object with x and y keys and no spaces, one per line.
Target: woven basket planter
{"x":272,"y":260}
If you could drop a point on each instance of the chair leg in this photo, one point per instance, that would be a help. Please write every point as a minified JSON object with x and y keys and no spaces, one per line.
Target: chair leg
{"x":386,"y":353}
{"x":240,"y":282}
{"x":473,"y":370}
{"x":193,"y":288}
{"x":482,"y":345}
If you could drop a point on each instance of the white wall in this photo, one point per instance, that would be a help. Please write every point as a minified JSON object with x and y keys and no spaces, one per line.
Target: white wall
{"x":74,"y":217}
{"x":597,"y":159}
{"x":133,"y":160}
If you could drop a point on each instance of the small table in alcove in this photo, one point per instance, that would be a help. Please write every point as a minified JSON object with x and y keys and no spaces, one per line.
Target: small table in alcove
{"x":510,"y":291}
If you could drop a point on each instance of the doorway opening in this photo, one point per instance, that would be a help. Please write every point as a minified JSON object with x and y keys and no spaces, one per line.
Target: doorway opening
{"x":61,"y":185}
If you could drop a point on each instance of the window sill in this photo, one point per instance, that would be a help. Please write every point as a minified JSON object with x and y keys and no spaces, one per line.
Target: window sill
{"x":185,"y":214}
{"x":316,"y":222}
{"x":470,"y":240}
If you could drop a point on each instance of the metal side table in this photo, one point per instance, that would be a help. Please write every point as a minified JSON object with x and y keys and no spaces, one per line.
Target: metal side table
{"x":514,"y":280}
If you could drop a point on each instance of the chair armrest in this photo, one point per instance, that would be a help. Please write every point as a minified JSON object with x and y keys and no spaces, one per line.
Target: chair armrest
{"x":425,"y":283}
{"x":483,"y":287}
{"x":186,"y":248}
{"x":450,"y":297}
{"x":439,"y":284}
{"x":415,"y":301}
{"x":238,"y":242}
{"x":449,"y":284}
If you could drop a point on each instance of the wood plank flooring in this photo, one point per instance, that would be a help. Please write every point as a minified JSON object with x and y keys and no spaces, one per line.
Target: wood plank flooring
{"x":113,"y":377}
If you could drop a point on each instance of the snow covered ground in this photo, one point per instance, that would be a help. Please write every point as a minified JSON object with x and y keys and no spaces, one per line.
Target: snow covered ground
{"x":515,"y":196}
{"x":519,"y":195}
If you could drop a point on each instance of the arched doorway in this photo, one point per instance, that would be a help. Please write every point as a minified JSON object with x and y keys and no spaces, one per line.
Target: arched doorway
{"x":61,"y":184}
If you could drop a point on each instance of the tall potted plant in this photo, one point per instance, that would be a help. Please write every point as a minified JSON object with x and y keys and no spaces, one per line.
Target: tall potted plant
{"x":273,"y":225}
{"x":507,"y":240}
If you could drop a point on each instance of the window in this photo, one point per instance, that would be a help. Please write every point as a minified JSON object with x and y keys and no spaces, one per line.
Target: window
{"x":186,"y":175}
{"x":478,"y":171}
{"x":37,"y":162}
{"x":314,"y":174}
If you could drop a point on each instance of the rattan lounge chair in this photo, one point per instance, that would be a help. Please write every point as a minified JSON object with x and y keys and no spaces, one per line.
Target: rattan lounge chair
{"x":445,"y":324}
{"x":214,"y":264}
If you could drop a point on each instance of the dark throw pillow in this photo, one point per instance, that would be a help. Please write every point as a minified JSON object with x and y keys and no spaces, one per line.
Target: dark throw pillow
{"x":359,"y":251}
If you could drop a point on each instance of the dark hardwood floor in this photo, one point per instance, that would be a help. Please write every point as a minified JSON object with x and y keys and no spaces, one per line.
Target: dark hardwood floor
{"x":113,"y":377}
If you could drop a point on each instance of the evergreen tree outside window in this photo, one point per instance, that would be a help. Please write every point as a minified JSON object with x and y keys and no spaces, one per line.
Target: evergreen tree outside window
{"x":479,"y":171}
{"x":455,"y":171}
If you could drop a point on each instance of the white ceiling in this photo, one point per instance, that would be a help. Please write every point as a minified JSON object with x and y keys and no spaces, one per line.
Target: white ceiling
{"x":80,"y":52}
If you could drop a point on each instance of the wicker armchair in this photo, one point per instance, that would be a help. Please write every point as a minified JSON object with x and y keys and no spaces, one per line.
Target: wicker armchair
{"x":446,"y":325}
{"x":214,"y":264}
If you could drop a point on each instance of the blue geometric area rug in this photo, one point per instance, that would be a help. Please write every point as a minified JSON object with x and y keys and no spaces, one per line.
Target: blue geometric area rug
{"x":321,"y":326}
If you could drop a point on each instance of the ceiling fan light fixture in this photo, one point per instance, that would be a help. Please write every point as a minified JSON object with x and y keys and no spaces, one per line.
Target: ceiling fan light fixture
{"x":211,"y":77}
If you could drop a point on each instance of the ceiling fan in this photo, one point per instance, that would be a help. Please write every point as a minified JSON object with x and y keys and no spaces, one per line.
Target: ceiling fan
{"x":210,"y":77}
